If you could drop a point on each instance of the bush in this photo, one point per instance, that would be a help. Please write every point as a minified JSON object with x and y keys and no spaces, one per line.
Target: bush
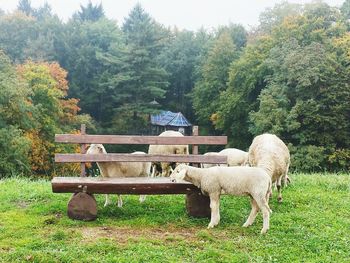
{"x":14,"y":152}
{"x":339,"y":159}
{"x":308,"y":158}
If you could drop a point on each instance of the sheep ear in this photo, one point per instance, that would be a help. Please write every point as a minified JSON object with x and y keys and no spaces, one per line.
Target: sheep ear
{"x":185,"y":173}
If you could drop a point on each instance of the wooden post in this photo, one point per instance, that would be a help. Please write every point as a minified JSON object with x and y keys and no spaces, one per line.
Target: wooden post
{"x":197,"y":204}
{"x":82,"y":150}
{"x":195,"y":132}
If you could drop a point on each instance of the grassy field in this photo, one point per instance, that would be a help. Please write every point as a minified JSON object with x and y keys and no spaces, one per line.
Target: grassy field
{"x":311,"y":225}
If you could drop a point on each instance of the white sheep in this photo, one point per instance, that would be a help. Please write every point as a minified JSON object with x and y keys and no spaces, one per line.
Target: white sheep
{"x":120,"y":169}
{"x":235,"y":157}
{"x":167,"y":149}
{"x":238,"y":181}
{"x":208,"y":165}
{"x":269,"y":152}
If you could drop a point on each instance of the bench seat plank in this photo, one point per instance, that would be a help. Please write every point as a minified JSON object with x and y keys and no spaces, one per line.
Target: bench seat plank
{"x":130,"y":185}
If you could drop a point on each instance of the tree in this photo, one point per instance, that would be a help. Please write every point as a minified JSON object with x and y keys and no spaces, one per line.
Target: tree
{"x":345,"y":9}
{"x":15,"y":116}
{"x":25,"y":7}
{"x":53,"y":112}
{"x":215,"y":76}
{"x":305,"y":100}
{"x":83,"y":51}
{"x":15,"y":31}
{"x":179,"y":58}
{"x":90,"y":12}
{"x":245,"y":82}
{"x":237,"y":33}
{"x":138,"y":78}
{"x":273,"y":17}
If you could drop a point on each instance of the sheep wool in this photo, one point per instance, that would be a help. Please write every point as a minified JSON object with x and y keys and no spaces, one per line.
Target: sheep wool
{"x":167,"y":149}
{"x":269,"y":152}
{"x":237,"y":181}
{"x":235,"y":157}
{"x":120,"y":169}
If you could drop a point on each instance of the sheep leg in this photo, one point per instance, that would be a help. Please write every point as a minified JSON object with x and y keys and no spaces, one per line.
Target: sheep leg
{"x":265,"y":209}
{"x":165,"y":169}
{"x":142,"y":198}
{"x":286,"y":179}
{"x":279,"y":189}
{"x":253,"y":213}
{"x":215,"y":210}
{"x":154,"y":170}
{"x":120,"y":201}
{"x":108,"y":201}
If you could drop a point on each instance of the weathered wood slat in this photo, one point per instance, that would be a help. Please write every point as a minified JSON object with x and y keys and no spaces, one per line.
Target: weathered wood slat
{"x":118,"y":157}
{"x":126,"y":139}
{"x":138,"y":185}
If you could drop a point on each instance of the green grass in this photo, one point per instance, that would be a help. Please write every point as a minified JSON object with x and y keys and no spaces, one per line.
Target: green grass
{"x":311,"y":225}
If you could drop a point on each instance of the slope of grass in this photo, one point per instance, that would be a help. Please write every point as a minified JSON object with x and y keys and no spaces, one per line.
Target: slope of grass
{"x":311,"y":225}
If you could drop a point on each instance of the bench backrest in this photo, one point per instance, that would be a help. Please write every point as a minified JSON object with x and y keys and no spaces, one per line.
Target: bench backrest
{"x":83,"y":139}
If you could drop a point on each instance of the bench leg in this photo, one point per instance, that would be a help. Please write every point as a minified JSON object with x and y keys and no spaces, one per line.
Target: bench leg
{"x":82,"y":206}
{"x":198,"y":205}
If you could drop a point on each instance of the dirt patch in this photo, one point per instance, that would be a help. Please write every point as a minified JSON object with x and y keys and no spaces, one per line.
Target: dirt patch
{"x":22,"y":204}
{"x":123,"y":235}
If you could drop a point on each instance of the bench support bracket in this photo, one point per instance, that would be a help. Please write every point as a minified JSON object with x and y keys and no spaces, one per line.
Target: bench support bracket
{"x":198,"y":205}
{"x":82,"y":206}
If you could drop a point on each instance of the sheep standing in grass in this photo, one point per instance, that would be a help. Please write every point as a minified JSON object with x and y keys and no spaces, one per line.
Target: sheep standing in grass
{"x":120,"y":169}
{"x":238,"y":181}
{"x":167,"y":149}
{"x":269,"y":152}
{"x":235,"y":157}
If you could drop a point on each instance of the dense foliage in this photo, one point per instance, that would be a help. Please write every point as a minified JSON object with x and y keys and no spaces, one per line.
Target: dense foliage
{"x":289,"y":76}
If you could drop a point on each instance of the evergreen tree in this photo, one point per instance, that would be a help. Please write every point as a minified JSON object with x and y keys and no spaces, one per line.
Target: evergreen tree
{"x":139,"y":79}
{"x":25,"y":7}
{"x":84,"y":49}
{"x":90,"y":12}
{"x":345,"y":9}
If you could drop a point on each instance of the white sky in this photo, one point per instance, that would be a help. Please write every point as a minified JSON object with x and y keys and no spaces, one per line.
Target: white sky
{"x":189,"y":14}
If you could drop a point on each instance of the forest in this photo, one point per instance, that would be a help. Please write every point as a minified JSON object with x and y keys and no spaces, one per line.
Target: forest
{"x":289,"y":75}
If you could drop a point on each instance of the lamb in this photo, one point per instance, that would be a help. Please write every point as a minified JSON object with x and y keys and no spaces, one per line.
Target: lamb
{"x":269,"y":152}
{"x":235,"y":157}
{"x":238,"y":181}
{"x":120,"y":169}
{"x":208,"y":165}
{"x":167,"y":149}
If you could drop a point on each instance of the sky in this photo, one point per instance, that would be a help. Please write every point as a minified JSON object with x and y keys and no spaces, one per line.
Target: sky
{"x":184,"y":14}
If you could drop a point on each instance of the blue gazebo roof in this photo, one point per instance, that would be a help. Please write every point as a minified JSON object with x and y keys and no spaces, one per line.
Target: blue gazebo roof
{"x":168,"y":118}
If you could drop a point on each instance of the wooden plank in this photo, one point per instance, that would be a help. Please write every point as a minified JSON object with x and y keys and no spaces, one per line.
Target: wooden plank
{"x":134,"y":185}
{"x":82,"y":150}
{"x":195,"y":132}
{"x":119,"y":157}
{"x":126,"y":139}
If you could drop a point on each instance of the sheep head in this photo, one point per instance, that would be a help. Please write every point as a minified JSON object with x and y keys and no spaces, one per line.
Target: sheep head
{"x":96,"y":149}
{"x":179,"y":173}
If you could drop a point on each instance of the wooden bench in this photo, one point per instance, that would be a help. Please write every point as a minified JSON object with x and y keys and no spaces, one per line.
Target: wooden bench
{"x":83,"y":206}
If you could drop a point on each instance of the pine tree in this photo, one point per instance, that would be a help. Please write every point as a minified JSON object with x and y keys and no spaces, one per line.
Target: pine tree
{"x":90,"y":12}
{"x":25,"y":7}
